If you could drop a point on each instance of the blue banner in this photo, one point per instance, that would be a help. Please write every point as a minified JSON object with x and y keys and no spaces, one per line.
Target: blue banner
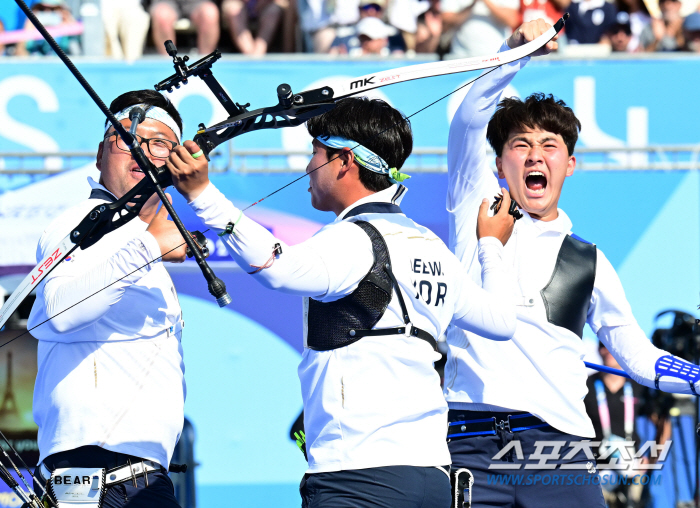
{"x":44,"y":109}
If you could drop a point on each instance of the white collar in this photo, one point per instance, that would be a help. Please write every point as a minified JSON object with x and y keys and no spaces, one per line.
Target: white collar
{"x":562,"y":224}
{"x":97,"y":185}
{"x":393,"y":195}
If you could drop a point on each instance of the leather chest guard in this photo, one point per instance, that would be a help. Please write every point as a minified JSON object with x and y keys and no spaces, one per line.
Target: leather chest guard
{"x":329,"y":323}
{"x":567,"y":296}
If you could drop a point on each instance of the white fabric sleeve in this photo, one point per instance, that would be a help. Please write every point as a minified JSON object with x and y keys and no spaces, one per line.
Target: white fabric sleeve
{"x":102,"y":285}
{"x":638,"y":356}
{"x":610,"y":316}
{"x":488,"y":311}
{"x":325,"y":267}
{"x":470,"y":178}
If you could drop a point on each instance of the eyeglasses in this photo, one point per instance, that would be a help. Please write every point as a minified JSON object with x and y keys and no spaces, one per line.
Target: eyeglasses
{"x":158,"y":147}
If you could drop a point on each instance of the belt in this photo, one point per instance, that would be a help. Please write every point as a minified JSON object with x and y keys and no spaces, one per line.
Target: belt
{"x":119,"y":467}
{"x":484,"y":423}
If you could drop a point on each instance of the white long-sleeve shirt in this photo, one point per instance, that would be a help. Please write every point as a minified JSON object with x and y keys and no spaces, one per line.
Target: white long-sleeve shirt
{"x":110,"y":369}
{"x":541,"y":369}
{"x":376,"y":402}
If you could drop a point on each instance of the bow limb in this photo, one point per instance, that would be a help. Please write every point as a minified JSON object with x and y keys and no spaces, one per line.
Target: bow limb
{"x":352,"y":86}
{"x":295,"y":109}
{"x":102,"y":219}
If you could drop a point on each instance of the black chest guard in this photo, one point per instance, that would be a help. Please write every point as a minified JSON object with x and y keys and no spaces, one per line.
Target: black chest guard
{"x":567,"y":296}
{"x":337,"y":324}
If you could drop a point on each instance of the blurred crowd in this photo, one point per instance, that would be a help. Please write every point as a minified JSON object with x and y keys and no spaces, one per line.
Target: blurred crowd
{"x":126,"y":29}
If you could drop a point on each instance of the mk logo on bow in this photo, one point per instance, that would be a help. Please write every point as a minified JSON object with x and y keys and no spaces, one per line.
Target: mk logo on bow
{"x":361,"y":82}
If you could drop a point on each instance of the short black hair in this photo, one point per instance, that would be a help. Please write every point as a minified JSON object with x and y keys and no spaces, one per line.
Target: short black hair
{"x":537,"y":111}
{"x":148,"y":97}
{"x":372,"y":123}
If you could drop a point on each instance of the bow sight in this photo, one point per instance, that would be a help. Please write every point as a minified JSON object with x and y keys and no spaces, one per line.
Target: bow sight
{"x":291,"y":110}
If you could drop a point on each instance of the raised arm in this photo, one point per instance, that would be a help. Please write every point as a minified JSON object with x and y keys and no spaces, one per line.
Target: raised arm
{"x":470,"y":178}
{"x":610,"y":316}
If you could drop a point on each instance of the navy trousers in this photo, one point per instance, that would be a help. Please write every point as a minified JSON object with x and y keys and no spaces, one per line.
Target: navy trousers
{"x":536,"y":487}
{"x":378,"y":487}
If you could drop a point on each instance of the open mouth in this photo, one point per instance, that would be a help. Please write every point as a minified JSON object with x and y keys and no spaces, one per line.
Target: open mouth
{"x":536,"y":182}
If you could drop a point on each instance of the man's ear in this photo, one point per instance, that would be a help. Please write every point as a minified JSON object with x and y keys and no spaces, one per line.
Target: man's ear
{"x":347,"y":159}
{"x":499,"y":167}
{"x":98,"y":161}
{"x":571,"y":166}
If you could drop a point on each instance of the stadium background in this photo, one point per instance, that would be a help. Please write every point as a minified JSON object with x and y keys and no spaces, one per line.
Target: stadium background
{"x":243,"y":394}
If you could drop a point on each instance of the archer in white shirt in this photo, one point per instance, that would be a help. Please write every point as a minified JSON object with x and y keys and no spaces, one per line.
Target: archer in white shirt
{"x":374,"y":415}
{"x":110,"y":386}
{"x":540,"y":371}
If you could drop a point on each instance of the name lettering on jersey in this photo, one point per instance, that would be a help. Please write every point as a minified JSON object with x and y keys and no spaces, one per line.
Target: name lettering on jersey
{"x":70,"y":480}
{"x":426,"y":267}
{"x":430,"y":292}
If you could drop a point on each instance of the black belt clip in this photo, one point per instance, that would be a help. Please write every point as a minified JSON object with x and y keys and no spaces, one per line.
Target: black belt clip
{"x":505,"y":436}
{"x":503,"y":425}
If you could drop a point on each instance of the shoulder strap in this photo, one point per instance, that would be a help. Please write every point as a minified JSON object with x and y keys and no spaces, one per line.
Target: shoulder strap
{"x":409,"y":329}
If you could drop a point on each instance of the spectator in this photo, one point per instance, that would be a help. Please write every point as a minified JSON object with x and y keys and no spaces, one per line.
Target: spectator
{"x":480,"y":25}
{"x":638,"y":18}
{"x":51,"y":13}
{"x":126,"y":26}
{"x":372,"y":38}
{"x":666,"y":33}
{"x":429,"y":30}
{"x":403,"y":14}
{"x":549,"y":10}
{"x":265,"y":15}
{"x":589,"y":21}
{"x":691,"y":32}
{"x":203,"y":13}
{"x":321,"y":18}
{"x":347,"y":41}
{"x":620,"y":34}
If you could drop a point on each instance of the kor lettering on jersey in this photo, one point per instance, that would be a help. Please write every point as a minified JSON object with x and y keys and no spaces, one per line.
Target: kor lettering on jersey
{"x":432,"y":293}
